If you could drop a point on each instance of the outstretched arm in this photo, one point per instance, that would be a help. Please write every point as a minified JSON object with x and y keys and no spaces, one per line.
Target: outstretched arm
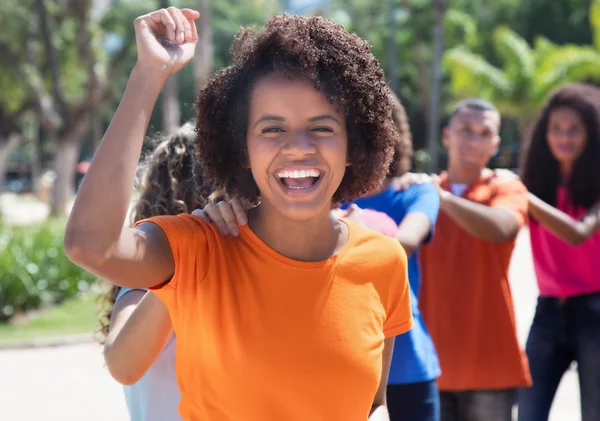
{"x":571,"y":230}
{"x":493,"y":224}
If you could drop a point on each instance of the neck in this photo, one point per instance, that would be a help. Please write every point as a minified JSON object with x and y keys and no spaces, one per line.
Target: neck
{"x":311,"y":240}
{"x":464,"y":175}
{"x":565,"y":172}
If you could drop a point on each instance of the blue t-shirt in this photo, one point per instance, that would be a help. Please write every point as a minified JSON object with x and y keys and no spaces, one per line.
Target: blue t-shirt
{"x":415,"y":358}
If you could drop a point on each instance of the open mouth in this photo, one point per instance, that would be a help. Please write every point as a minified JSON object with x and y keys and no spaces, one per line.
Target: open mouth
{"x":299,"y":179}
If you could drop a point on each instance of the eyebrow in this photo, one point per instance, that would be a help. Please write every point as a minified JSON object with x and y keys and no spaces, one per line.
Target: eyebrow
{"x":268,"y":118}
{"x":324,"y":117}
{"x":311,"y":120}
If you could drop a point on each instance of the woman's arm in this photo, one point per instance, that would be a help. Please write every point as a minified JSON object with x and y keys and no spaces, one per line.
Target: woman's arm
{"x":562,"y":225}
{"x":139,"y":328}
{"x":379,"y":411}
{"x":95,"y":238}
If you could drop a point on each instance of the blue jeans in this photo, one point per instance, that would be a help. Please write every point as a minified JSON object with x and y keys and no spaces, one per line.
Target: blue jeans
{"x":478,"y":405}
{"x":414,"y":401}
{"x":563,"y":331}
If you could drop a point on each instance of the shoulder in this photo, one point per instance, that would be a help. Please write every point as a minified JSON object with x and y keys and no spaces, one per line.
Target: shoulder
{"x":506,"y":185}
{"x":374,"y":250}
{"x":182,"y":227}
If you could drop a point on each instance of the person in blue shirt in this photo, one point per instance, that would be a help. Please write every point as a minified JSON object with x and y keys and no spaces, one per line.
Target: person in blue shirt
{"x":412,"y":392}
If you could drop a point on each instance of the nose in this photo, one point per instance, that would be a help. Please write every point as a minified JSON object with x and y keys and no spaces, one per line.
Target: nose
{"x":299,"y":144}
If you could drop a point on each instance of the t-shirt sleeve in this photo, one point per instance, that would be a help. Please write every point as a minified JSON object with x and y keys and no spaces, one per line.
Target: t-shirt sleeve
{"x":188,"y":238}
{"x":398,"y":312}
{"x":123,"y":291}
{"x":511,"y":195}
{"x":425,"y":199}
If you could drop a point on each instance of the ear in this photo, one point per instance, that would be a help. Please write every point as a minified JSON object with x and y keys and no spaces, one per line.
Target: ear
{"x":496,"y":145}
{"x":445,"y":136}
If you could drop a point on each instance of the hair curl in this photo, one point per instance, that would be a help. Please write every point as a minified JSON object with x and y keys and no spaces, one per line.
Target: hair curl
{"x":403,"y":152}
{"x":338,"y":63}
{"x":540,"y":170}
{"x":168,"y":184}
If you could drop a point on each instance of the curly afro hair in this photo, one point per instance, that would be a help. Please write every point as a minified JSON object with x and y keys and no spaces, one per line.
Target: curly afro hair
{"x":338,"y":63}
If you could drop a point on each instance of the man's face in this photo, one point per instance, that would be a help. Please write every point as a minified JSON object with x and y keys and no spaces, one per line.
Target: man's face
{"x":472,"y":138}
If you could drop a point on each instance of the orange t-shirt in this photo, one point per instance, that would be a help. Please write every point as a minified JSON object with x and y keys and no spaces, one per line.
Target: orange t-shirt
{"x":263,"y":337}
{"x":466,"y":300}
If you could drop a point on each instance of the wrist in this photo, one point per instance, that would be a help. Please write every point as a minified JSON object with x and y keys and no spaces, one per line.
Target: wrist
{"x":445,"y":197}
{"x":151,"y":75}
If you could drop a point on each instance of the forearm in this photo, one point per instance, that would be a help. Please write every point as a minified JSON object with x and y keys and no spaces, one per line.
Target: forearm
{"x":102,"y":202}
{"x":379,"y":413}
{"x":559,"y":223}
{"x":488,"y":223}
{"x":136,"y":340}
{"x":413,"y":231}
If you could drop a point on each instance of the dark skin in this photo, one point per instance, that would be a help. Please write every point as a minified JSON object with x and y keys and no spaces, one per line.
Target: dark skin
{"x":472,"y":139}
{"x":300,"y":137}
{"x":567,"y":138}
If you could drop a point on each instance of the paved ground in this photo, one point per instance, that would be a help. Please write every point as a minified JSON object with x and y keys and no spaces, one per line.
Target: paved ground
{"x":70,"y":384}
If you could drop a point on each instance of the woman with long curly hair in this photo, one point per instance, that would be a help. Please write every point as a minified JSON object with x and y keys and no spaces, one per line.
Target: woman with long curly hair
{"x":136,"y":331}
{"x":293,"y":317}
{"x":561,"y":169}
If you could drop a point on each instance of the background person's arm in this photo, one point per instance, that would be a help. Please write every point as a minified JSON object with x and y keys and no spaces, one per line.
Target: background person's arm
{"x":497,"y":225}
{"x":422,"y":204}
{"x":139,"y":328}
{"x":571,"y":230}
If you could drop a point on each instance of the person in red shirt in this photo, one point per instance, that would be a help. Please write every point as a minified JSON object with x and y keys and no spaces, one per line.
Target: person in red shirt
{"x":466,"y":299}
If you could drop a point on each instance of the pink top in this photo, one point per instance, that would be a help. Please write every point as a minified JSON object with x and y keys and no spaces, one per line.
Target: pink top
{"x":561,"y":269}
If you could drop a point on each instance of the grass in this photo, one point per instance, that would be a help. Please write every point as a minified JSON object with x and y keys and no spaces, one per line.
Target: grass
{"x":78,"y":315}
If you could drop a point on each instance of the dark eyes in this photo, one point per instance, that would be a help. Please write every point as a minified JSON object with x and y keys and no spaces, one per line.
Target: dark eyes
{"x":272,"y":130}
{"x":280,"y":130}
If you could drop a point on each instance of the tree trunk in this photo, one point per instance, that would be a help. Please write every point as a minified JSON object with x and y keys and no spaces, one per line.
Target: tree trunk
{"x":203,"y":61}
{"x":67,"y":152}
{"x":6,"y":147}
{"x":434,"y":99}
{"x":392,"y":47}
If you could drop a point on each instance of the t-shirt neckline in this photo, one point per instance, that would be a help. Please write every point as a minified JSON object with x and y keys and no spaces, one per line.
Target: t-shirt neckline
{"x":265,"y":249}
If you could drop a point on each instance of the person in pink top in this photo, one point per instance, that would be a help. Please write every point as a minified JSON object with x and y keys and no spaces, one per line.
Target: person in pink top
{"x":561,"y":169}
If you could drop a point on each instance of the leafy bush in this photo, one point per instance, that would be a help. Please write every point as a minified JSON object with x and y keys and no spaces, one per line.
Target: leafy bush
{"x":34,"y":270}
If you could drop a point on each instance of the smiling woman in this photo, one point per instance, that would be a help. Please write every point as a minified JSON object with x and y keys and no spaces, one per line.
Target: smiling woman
{"x":302,"y":119}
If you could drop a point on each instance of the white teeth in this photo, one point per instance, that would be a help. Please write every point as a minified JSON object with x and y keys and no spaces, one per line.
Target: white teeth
{"x":299,"y":173}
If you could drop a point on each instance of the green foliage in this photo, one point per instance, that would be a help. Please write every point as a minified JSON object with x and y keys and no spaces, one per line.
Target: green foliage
{"x":34,"y":270}
{"x":526,"y":73}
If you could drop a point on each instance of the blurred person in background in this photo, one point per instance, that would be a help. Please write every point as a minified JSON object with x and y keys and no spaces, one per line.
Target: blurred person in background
{"x":465,"y":298}
{"x":561,"y":169}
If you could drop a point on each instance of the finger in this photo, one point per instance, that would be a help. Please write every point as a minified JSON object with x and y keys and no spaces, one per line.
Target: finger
{"x":229,"y":218}
{"x":240,"y":211}
{"x":179,"y":20}
{"x":162,"y":23}
{"x":162,"y":19}
{"x":191,"y":16}
{"x":200,"y":214}
{"x":213,"y":212}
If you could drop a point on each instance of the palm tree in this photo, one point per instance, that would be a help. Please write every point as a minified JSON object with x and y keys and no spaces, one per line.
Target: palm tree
{"x":527,"y":74}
